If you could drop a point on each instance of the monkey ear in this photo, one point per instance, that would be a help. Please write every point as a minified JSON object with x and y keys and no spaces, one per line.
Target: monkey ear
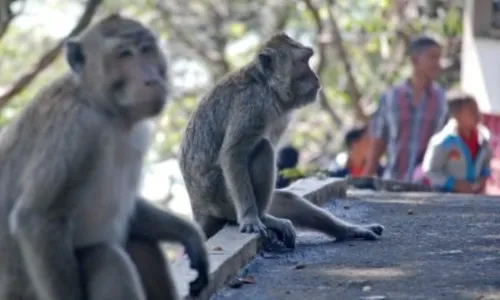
{"x":75,"y":56}
{"x":267,"y":58}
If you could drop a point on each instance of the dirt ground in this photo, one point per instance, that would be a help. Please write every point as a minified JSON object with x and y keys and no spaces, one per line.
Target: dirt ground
{"x":433,"y":247}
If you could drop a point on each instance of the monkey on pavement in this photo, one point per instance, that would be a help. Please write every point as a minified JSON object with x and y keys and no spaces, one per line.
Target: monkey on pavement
{"x":72,"y":226}
{"x":227,"y":154}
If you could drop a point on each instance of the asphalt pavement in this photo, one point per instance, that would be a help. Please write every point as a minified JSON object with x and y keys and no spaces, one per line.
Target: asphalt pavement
{"x":434,"y":247}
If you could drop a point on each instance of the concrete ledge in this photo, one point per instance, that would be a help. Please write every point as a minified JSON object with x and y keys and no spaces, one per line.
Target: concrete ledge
{"x":379,"y":184}
{"x":230,"y":250}
{"x":319,"y":191}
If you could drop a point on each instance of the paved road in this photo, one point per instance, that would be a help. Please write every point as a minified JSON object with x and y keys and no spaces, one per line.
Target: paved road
{"x":434,"y":247}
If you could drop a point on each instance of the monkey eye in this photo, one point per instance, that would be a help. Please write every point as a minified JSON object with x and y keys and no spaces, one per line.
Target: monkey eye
{"x":124,"y":53}
{"x":147,"y":48}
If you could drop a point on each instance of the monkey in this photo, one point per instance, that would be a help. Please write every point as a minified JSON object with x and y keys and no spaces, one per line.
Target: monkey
{"x":72,"y":223}
{"x":150,"y":225}
{"x":227,"y":154}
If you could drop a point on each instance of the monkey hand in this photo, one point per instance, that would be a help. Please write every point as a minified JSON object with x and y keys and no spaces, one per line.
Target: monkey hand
{"x":283,"y":228}
{"x":253,"y":224}
{"x":367,"y":232}
{"x":199,"y":261}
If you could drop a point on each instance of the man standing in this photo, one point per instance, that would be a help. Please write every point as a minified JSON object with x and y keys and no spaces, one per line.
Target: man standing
{"x":409,"y":114}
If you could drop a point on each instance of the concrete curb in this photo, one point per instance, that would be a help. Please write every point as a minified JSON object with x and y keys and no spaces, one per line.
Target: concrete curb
{"x":230,"y":250}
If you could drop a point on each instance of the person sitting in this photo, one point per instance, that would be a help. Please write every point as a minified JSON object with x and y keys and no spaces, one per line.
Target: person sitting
{"x":356,"y":141}
{"x":288,"y":158}
{"x":458,"y":157}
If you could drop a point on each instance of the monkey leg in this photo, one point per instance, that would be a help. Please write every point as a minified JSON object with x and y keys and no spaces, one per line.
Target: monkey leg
{"x":109,"y":273}
{"x":302,"y":213}
{"x":262,"y":174}
{"x":153,"y":269}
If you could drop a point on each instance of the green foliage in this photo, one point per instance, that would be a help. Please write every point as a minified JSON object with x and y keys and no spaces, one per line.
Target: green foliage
{"x":291,"y":173}
{"x":224,"y":37}
{"x":453,"y":23}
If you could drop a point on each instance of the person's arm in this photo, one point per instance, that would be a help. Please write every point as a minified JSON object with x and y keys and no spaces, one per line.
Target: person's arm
{"x":377,"y":134}
{"x":433,"y":167}
{"x":481,"y":185}
{"x":444,"y":113}
{"x":485,"y":173}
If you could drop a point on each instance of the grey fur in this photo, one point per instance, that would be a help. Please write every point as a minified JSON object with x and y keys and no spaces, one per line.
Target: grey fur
{"x":71,"y":225}
{"x":227,"y":154}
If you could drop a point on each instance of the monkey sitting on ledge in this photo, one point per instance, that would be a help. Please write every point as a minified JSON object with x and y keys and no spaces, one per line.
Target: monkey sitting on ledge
{"x":72,"y":226}
{"x":227,"y":156}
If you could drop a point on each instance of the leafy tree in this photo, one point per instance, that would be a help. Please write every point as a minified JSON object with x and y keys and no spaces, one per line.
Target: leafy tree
{"x":360,"y":47}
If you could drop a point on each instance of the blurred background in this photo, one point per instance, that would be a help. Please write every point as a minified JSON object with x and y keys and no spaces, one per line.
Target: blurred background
{"x":360,"y":50}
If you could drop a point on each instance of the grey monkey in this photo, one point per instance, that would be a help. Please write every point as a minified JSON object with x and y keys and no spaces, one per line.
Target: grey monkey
{"x":227,"y":155}
{"x":72,"y":224}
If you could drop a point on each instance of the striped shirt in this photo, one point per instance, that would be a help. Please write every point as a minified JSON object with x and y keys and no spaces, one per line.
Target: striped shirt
{"x":406,"y":127}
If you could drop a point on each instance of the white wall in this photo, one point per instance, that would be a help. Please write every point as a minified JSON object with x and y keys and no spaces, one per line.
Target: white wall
{"x":480,"y":74}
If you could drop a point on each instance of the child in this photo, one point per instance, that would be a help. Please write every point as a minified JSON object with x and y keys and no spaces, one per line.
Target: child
{"x":357,"y":144}
{"x":458,"y":157}
{"x":288,"y":158}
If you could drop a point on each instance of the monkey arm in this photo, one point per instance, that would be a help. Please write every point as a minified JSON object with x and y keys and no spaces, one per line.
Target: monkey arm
{"x":241,"y":138}
{"x":485,"y":170}
{"x":150,"y":222}
{"x":154,"y":224}
{"x":40,"y":219}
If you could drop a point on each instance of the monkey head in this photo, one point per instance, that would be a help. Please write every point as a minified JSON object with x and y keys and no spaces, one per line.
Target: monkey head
{"x":119,"y":64}
{"x":285,"y":64}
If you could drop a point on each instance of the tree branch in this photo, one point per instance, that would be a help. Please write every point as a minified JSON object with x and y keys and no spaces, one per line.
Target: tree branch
{"x":397,"y":14}
{"x":6,"y":16}
{"x":352,"y":85}
{"x":280,"y":12}
{"x":320,"y":66}
{"x":218,"y":20}
{"x":214,"y":58}
{"x":50,"y":56}
{"x":282,"y":18}
{"x":180,"y":34}
{"x":389,"y":70}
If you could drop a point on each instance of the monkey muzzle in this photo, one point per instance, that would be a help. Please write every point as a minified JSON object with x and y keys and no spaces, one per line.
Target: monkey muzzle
{"x":154,"y":90}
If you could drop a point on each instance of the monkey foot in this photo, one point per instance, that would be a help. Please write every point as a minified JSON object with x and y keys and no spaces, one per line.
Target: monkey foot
{"x":275,"y":244}
{"x":283,"y":229}
{"x":197,"y":286}
{"x":368,"y":232}
{"x":200,"y":264}
{"x":253,"y":225}
{"x":376,"y":228}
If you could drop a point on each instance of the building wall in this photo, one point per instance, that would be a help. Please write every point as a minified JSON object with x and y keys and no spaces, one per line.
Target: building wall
{"x":480,"y":74}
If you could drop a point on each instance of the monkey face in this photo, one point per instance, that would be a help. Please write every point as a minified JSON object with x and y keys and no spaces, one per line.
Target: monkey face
{"x":305,"y":83}
{"x":286,"y":62}
{"x":138,"y":80}
{"x":120,"y":60}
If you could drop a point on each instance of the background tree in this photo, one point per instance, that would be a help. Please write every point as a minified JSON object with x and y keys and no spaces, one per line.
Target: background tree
{"x":360,"y":49}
